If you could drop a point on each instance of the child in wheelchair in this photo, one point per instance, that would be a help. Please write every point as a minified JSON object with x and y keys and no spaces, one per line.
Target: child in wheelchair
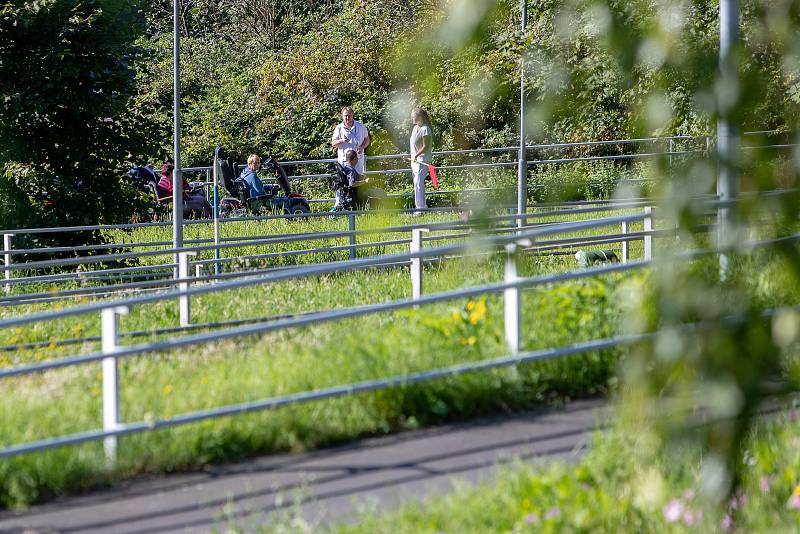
{"x":353,"y":192}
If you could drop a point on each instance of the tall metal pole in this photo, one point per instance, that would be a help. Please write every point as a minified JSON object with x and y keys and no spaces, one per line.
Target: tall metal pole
{"x":728,"y":140}
{"x":216,"y":216}
{"x":177,"y":176}
{"x":522,"y":169}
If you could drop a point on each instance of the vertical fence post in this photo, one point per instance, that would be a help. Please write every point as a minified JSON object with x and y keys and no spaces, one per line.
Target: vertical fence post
{"x":416,"y":263}
{"x":728,"y":132}
{"x":216,"y":216}
{"x":7,"y":258}
{"x":351,"y":224}
{"x":670,"y":154}
{"x":648,"y":239}
{"x":183,"y":286}
{"x":511,"y":301}
{"x":198,"y":270}
{"x":109,"y":322}
{"x":625,"y":242}
{"x":522,"y":155}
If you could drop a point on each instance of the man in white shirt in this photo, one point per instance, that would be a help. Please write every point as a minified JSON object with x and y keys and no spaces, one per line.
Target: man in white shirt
{"x":350,"y":135}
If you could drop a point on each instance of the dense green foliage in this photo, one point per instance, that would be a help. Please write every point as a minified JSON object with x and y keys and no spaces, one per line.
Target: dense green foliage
{"x":271,"y":77}
{"x":284,"y":97}
{"x":65,"y":130}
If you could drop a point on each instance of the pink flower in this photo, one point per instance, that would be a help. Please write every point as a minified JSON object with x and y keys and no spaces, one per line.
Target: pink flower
{"x":794,"y":501}
{"x":688,"y":518}
{"x":727,"y":522}
{"x":552,"y":512}
{"x":688,"y":495}
{"x":531,"y":519}
{"x":738,"y":500}
{"x":673,"y":510}
{"x":765,"y":485}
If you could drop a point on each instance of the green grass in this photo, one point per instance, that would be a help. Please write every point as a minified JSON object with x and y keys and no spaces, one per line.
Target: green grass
{"x":257,"y":367}
{"x":159,"y":386}
{"x":623,"y":486}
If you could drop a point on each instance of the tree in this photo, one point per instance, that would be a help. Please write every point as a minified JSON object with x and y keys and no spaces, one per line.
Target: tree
{"x":65,"y":82}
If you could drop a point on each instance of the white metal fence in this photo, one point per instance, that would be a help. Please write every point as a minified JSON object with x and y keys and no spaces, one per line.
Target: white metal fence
{"x":509,"y":241}
{"x":510,"y":245}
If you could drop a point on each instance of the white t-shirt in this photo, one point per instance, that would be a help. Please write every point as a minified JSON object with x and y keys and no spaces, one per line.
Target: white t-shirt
{"x":356,"y":134}
{"x":417,"y":133}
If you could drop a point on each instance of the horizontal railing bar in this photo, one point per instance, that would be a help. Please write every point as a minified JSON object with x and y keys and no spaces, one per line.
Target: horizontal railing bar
{"x":262,"y":240}
{"x":529,"y":147}
{"x":292,"y":163}
{"x":316,"y":318}
{"x":316,"y":270}
{"x":333,"y":315}
{"x":336,"y":391}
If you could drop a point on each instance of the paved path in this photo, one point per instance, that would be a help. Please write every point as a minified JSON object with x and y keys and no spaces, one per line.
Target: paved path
{"x":323,"y":486}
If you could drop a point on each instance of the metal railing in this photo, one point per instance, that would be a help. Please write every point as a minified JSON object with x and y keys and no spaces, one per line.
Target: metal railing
{"x":353,"y":236}
{"x":510,"y":245}
{"x":163,"y":279}
{"x":112,"y":351}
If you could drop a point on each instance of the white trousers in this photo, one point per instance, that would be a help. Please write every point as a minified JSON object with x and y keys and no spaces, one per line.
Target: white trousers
{"x":419,"y":173}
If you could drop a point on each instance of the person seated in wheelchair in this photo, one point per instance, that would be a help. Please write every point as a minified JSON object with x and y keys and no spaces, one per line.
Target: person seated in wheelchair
{"x":255,"y":187}
{"x":194,"y":202}
{"x":351,"y":191}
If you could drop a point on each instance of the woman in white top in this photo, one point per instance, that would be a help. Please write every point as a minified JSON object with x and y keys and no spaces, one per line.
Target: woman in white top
{"x":421,"y":149}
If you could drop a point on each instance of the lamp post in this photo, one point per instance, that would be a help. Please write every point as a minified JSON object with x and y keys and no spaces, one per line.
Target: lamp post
{"x":177,"y":175}
{"x":728,"y":138}
{"x":522,"y":168}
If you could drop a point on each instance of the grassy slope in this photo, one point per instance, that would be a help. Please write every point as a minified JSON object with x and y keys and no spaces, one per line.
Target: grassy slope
{"x":312,"y":357}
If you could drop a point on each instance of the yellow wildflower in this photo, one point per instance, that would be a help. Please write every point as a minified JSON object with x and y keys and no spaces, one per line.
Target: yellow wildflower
{"x":471,"y":340}
{"x":167,"y":389}
{"x":470,"y":305}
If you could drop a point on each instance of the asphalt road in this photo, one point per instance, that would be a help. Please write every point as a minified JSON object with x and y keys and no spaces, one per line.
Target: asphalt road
{"x":324,"y":486}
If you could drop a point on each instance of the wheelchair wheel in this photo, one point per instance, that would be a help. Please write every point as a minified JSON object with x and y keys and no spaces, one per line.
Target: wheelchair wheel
{"x":298,"y":210}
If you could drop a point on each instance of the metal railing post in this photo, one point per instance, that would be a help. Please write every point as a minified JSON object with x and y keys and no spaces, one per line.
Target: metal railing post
{"x":7,"y":258}
{"x":198,"y":270}
{"x":351,"y":223}
{"x":624,"y":243}
{"x":522,"y":156}
{"x":183,"y":286}
{"x":511,"y":301}
{"x":670,"y":154}
{"x":648,"y":239}
{"x":109,"y":323}
{"x":216,"y":216}
{"x":416,"y":263}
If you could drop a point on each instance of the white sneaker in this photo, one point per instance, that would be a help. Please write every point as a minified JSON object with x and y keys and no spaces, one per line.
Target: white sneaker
{"x":419,"y":213}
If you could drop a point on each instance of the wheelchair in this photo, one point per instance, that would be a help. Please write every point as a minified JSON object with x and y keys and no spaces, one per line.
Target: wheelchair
{"x":240,"y":202}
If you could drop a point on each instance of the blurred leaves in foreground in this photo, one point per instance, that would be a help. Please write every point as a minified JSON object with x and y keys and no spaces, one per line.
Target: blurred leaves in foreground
{"x":719,"y":350}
